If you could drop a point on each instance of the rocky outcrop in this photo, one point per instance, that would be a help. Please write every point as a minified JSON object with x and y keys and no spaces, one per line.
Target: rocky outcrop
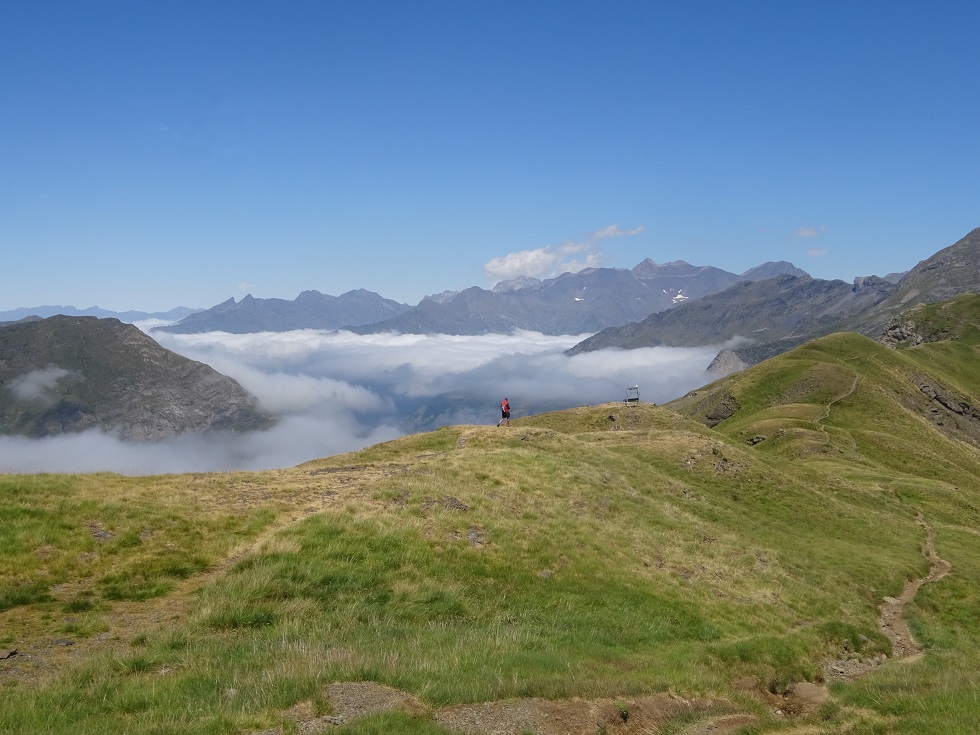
{"x":948,"y":401}
{"x":900,"y":333}
{"x":725,"y":363}
{"x":951,"y":413}
{"x":725,"y":408}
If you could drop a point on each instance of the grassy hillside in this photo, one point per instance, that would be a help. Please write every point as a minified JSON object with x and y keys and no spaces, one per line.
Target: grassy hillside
{"x":953,"y":321}
{"x":602,"y":569}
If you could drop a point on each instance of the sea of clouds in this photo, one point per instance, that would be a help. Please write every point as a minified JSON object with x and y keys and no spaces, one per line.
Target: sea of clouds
{"x":336,"y":392}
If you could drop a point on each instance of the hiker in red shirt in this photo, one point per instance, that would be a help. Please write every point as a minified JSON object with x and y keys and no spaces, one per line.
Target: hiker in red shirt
{"x":504,"y":412}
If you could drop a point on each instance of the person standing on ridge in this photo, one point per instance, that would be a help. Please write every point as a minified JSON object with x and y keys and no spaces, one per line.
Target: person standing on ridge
{"x":504,"y":412}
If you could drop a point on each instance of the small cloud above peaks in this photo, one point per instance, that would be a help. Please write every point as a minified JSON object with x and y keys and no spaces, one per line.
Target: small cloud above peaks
{"x":543,"y":262}
{"x":816,"y":252}
{"x":808,"y":231}
{"x":553,"y":260}
{"x":616,"y":231}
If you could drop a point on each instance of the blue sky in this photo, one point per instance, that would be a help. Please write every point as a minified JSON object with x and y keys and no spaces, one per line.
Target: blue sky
{"x":178,"y":153}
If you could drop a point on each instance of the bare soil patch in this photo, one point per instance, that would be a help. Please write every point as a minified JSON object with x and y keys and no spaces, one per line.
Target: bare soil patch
{"x":352,"y":700}
{"x":572,"y":716}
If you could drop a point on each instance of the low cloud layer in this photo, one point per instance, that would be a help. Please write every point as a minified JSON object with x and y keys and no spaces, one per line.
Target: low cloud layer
{"x":337,"y":392}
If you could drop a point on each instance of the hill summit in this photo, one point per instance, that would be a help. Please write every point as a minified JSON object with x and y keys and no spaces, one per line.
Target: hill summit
{"x":67,"y":374}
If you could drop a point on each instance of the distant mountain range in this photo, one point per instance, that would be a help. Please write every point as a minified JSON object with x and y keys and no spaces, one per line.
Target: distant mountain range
{"x":775,"y":315}
{"x":309,"y":310}
{"x":26,"y":312}
{"x":572,"y":303}
{"x":67,"y":374}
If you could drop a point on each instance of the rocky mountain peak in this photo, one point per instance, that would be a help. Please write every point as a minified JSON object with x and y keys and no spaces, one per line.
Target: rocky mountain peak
{"x":310,"y":295}
{"x":515,"y":284}
{"x":650,"y":269}
{"x":773,"y":269}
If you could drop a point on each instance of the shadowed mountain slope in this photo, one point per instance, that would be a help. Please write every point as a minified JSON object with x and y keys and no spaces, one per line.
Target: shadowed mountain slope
{"x":950,"y":272}
{"x":784,"y":308}
{"x":775,"y":315}
{"x":67,"y":374}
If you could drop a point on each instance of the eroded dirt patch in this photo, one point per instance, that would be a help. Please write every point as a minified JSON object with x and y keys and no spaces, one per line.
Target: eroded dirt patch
{"x":570,"y":717}
{"x":357,"y":699}
{"x":353,"y":700}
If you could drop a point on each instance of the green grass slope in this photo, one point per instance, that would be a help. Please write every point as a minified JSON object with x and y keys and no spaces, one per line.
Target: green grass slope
{"x":602,"y":553}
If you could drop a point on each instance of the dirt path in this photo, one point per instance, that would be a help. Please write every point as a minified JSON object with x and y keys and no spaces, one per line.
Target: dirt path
{"x":846,"y":394}
{"x":892,"y":618}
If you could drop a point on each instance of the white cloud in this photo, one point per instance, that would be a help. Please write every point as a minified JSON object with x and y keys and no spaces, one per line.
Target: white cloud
{"x":810,"y":232}
{"x":616,"y":231}
{"x":38,"y":384}
{"x":816,"y":252}
{"x":337,"y":392}
{"x":539,"y":263}
{"x":551,"y":261}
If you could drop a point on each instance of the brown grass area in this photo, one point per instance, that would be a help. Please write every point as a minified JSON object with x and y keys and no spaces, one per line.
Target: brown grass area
{"x":292,"y":495}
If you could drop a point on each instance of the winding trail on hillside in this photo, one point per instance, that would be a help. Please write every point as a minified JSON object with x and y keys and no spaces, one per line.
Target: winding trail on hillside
{"x":892,"y":609}
{"x":892,"y":612}
{"x":891,"y":619}
{"x":849,"y":392}
{"x":826,"y":413}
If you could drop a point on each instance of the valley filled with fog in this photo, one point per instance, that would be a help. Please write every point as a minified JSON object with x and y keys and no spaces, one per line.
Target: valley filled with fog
{"x":335,"y":392}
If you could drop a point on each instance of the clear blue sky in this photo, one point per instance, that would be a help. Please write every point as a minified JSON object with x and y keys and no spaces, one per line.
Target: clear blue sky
{"x":155,"y":154}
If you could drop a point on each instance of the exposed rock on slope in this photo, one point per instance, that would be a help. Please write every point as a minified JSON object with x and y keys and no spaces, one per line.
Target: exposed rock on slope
{"x":67,"y":374}
{"x":725,"y":363}
{"x":956,"y":319}
{"x":900,"y":333}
